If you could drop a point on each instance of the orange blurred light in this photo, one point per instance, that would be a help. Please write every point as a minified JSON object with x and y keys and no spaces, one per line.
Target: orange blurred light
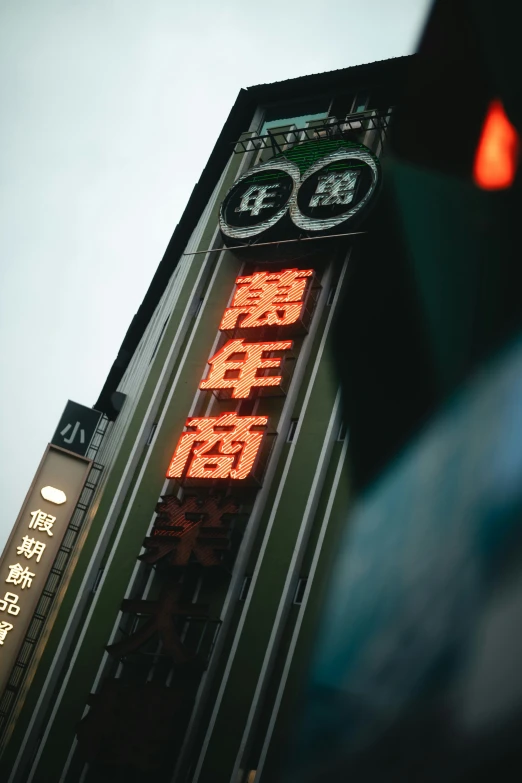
{"x":218,"y":447}
{"x":250,"y":361}
{"x":497,"y":152}
{"x":267,"y":299}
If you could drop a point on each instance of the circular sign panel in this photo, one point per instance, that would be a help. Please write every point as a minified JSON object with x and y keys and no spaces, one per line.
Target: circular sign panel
{"x":259,"y":199}
{"x":334,"y":190}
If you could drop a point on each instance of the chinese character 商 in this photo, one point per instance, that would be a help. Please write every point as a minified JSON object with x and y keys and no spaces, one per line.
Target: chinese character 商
{"x":245,"y":359}
{"x":30,"y":547}
{"x":20,"y":576}
{"x":9,"y":602}
{"x":4,"y":629}
{"x":218,"y":447}
{"x":267,"y":299}
{"x":42,"y":521}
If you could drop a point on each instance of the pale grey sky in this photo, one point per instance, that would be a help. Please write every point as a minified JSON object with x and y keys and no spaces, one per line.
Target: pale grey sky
{"x":110,"y":109}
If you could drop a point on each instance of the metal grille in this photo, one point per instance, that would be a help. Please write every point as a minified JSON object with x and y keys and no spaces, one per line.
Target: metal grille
{"x":23,"y":661}
{"x":330,"y":129}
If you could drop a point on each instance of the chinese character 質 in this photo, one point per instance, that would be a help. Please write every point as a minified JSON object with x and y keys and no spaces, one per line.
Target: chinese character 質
{"x":267,"y":299}
{"x":30,"y":547}
{"x":218,"y":447}
{"x":246,"y":359}
{"x":4,"y":629}
{"x":20,"y":576}
{"x":42,"y":521}
{"x":9,"y":602}
{"x":335,"y":188}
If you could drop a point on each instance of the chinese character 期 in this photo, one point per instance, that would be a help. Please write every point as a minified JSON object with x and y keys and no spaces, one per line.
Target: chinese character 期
{"x":42,"y":521}
{"x":247,"y":359}
{"x":30,"y":547}
{"x":4,"y":630}
{"x":267,"y":299}
{"x":9,"y":602}
{"x":20,"y":576}
{"x":218,"y":447}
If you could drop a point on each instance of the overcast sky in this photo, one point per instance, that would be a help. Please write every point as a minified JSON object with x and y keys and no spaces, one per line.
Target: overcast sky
{"x":110,"y":109}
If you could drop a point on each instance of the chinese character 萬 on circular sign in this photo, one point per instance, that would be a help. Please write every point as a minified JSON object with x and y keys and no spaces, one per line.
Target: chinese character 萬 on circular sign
{"x":300,"y":192}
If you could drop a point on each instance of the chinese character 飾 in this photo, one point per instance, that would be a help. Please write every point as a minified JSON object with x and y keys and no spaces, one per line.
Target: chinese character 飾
{"x":30,"y":547}
{"x":335,"y":187}
{"x":42,"y":521}
{"x":267,"y":299}
{"x":20,"y":576}
{"x":9,"y":602}
{"x":4,"y":629}
{"x":218,"y":447}
{"x":247,"y":359}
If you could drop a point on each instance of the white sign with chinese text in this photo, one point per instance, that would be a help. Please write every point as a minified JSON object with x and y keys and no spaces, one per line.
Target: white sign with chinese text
{"x":33,"y":545}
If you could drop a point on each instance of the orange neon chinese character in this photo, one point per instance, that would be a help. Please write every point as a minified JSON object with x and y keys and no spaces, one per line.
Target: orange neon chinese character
{"x":267,"y":299}
{"x":218,"y":447}
{"x":247,"y":359}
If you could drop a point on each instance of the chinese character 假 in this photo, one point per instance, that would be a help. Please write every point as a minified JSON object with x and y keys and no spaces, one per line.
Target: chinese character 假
{"x":267,"y":299}
{"x":218,"y":447}
{"x":247,"y":359}
{"x":42,"y":521}
{"x":20,"y":576}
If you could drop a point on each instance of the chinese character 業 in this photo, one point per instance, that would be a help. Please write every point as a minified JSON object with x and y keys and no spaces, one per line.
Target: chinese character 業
{"x":335,"y":188}
{"x":42,"y":521}
{"x":9,"y":602}
{"x":247,"y":359}
{"x":218,"y":447}
{"x":4,"y":629}
{"x":30,"y":547}
{"x":20,"y":576}
{"x":267,"y":299}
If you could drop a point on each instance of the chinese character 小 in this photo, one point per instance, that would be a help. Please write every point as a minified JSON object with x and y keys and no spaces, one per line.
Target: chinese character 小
{"x":267,"y":299}
{"x":247,"y":359}
{"x":218,"y":447}
{"x":42,"y":521}
{"x":20,"y":576}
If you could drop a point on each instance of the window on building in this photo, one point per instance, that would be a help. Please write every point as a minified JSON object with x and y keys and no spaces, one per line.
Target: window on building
{"x":300,"y":591}
{"x":245,"y":587}
{"x":291,"y":430}
{"x":343,"y":430}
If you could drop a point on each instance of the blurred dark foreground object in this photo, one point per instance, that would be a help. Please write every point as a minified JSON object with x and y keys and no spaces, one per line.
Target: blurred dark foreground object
{"x":436,"y":284}
{"x":417,"y":675}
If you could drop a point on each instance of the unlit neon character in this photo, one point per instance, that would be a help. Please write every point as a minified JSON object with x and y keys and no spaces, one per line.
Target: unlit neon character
{"x":218,"y":447}
{"x":267,"y":299}
{"x":245,"y":360}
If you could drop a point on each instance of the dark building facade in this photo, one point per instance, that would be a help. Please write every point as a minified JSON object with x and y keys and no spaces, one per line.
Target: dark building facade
{"x":179,"y":631}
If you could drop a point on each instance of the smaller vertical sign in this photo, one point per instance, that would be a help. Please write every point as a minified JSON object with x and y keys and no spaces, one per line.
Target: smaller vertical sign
{"x":76,"y":428}
{"x":33,"y":545}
